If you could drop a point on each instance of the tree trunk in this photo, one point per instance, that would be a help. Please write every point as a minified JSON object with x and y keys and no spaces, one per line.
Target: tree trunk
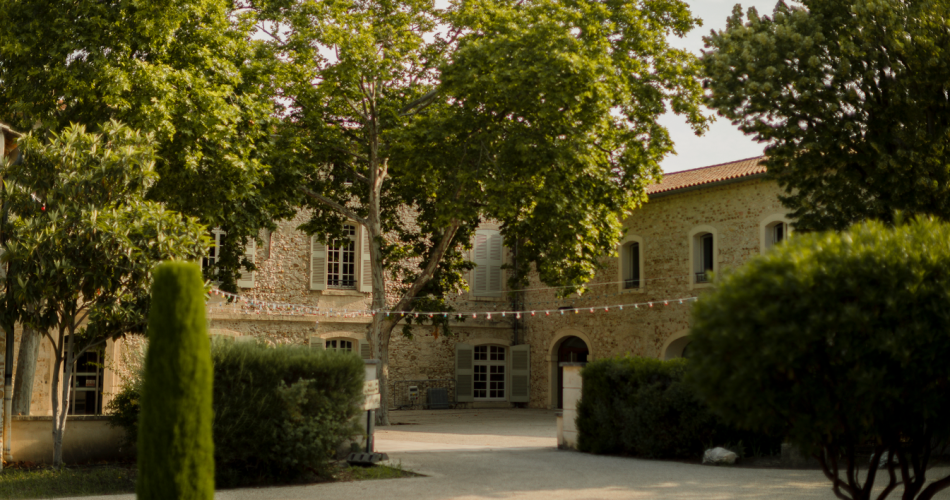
{"x":26,"y":370}
{"x":61,"y":407}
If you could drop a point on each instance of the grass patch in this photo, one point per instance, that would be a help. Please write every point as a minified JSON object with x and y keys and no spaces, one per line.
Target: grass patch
{"x":24,"y":482}
{"x":43,"y":482}
{"x":355,"y":473}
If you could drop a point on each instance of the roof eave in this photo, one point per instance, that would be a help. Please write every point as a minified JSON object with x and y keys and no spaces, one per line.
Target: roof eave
{"x":696,"y":187}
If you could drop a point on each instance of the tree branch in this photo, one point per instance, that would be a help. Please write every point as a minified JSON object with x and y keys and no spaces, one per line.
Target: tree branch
{"x":429,"y":271}
{"x":334,"y":205}
{"x":422,"y":102}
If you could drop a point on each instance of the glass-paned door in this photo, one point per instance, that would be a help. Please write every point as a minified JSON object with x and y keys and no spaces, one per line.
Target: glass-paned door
{"x":490,"y":374}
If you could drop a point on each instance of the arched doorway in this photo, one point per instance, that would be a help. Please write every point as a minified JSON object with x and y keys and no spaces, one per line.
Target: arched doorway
{"x":570,"y":350}
{"x":677,"y":346}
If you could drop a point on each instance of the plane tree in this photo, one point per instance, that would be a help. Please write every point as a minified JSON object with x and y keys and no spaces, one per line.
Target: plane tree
{"x":418,"y":123}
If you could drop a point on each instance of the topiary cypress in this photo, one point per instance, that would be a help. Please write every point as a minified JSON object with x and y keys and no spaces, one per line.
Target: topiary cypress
{"x":175,"y":448}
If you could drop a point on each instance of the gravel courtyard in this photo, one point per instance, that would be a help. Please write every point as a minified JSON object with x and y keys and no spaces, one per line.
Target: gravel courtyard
{"x":512,"y":454}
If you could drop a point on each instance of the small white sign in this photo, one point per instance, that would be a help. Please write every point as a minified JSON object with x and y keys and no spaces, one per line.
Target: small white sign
{"x":370,"y":387}
{"x":372,"y":402}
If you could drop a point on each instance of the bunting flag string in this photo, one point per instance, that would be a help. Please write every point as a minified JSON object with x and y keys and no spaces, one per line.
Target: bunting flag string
{"x":266,"y":307}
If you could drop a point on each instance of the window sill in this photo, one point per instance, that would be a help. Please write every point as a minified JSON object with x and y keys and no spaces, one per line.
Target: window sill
{"x":641,"y":289}
{"x":487,"y":299}
{"x":342,"y":293}
{"x":701,"y":285}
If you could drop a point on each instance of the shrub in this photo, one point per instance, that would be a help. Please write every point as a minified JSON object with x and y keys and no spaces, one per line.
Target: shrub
{"x":839,"y":340}
{"x":176,"y":456}
{"x":642,"y":407}
{"x":280,"y":412}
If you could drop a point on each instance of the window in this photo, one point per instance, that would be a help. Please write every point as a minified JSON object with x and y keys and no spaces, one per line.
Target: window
{"x":631,"y":264}
{"x":705,"y":259}
{"x":704,"y":247}
{"x":343,"y":264}
{"x":341,"y":260}
{"x":773,"y":230}
{"x":212,"y":259}
{"x":87,"y":379}
{"x":245,"y":278}
{"x":488,"y":258}
{"x":340,"y":345}
{"x":489,"y":381}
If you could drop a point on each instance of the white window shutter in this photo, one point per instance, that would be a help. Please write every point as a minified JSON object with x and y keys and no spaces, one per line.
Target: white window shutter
{"x":365,"y":351}
{"x":318,"y":264}
{"x":464,"y":373}
{"x":495,"y":260}
{"x":245,"y":277}
{"x":480,"y":274}
{"x":366,"y":267}
{"x":520,"y":374}
{"x":316,"y":343}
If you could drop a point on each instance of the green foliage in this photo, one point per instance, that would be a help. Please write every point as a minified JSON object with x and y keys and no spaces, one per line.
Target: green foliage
{"x":837,"y":340}
{"x":851,"y":98}
{"x":484,"y":110}
{"x":186,"y":71}
{"x":123,"y":412}
{"x":175,"y":447}
{"x":280,"y":412}
{"x":641,"y":406}
{"x":78,"y":203}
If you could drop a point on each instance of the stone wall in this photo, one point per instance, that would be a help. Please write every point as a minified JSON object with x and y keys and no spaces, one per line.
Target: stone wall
{"x":736,"y":212}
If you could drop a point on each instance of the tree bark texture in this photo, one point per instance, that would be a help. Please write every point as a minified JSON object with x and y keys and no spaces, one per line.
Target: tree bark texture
{"x":26,"y":370}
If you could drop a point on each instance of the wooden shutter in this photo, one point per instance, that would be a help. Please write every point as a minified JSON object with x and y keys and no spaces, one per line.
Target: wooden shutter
{"x":245,"y":277}
{"x":464,"y":373}
{"x":316,"y":343}
{"x":480,"y":253}
{"x":366,"y":268}
{"x":318,"y":264}
{"x":520,"y":373}
{"x":495,"y":260}
{"x":488,"y":255}
{"x":365,"y":351}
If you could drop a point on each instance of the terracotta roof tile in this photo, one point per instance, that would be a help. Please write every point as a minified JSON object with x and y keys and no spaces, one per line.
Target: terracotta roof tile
{"x":706,"y":175}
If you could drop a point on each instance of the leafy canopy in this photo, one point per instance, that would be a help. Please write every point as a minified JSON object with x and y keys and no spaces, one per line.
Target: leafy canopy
{"x":184,"y":70}
{"x":539,"y":115}
{"x":837,"y":341}
{"x":852,"y":99}
{"x":85,"y":240}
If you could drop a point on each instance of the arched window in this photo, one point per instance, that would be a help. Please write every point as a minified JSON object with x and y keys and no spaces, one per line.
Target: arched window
{"x":339,"y":345}
{"x":704,"y":248}
{"x":774,"y":229}
{"x":631,"y":264}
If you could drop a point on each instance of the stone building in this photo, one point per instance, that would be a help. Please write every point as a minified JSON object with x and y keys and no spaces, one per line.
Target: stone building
{"x":706,"y":219}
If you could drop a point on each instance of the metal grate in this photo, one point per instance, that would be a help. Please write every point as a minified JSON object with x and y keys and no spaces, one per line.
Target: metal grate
{"x":429,"y":393}
{"x":701,"y":278}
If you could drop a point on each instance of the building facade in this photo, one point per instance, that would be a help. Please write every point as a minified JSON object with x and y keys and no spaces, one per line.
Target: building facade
{"x":697,"y":223}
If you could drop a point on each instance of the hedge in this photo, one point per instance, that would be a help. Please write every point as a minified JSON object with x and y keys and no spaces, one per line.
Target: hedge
{"x":642,"y":407}
{"x":279,"y":412}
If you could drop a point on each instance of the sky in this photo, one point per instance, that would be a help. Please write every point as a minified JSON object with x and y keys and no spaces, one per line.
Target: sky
{"x":723,"y":142}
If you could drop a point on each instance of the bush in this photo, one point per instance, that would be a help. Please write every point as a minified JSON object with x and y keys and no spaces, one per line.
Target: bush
{"x":841,"y":341}
{"x":641,"y":406}
{"x":176,"y":454}
{"x":279,"y":412}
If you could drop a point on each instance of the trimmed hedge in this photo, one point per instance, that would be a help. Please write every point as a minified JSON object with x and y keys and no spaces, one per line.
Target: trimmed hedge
{"x":642,"y":407}
{"x":279,"y":412}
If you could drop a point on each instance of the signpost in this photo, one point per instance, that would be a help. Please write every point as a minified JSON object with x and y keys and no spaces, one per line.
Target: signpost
{"x":371,"y":394}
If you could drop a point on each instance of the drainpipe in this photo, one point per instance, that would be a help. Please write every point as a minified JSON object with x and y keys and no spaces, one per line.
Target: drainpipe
{"x":517,"y":302}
